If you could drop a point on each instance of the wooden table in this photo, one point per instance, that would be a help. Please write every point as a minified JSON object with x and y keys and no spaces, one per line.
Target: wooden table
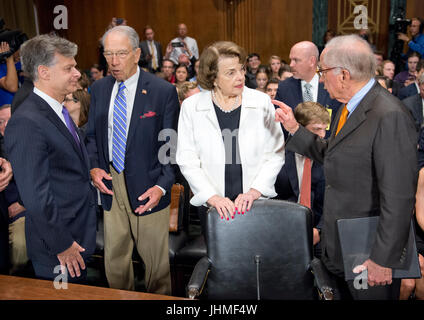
{"x":17,"y":288}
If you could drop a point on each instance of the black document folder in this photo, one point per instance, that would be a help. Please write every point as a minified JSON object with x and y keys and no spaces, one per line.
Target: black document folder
{"x":357,"y":237}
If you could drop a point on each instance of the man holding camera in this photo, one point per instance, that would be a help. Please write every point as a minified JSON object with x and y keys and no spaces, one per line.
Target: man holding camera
{"x":183,"y":44}
{"x":8,"y":76}
{"x":416,"y":42}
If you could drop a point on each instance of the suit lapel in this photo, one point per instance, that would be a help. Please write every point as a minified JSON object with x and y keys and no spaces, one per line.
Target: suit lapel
{"x":355,"y":119}
{"x":298,"y":96}
{"x":140,"y":104}
{"x":54,"y":118}
{"x":104,"y":106}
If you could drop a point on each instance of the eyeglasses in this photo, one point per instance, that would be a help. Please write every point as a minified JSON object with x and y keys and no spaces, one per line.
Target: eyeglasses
{"x":75,"y":100}
{"x":320,"y":72}
{"x":120,"y":54}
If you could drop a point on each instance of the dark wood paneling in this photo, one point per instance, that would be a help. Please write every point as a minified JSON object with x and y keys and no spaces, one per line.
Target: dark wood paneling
{"x":415,"y":8}
{"x":264,"y":26}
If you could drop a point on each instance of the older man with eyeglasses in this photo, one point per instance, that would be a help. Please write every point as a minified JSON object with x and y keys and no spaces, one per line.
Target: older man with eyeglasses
{"x":128,"y":110}
{"x":370,"y":165}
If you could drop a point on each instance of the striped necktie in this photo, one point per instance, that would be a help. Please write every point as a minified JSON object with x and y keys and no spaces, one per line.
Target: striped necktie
{"x":307,"y":94}
{"x":119,"y":138}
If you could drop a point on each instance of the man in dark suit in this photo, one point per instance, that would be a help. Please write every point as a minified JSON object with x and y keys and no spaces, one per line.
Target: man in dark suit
{"x":413,"y":88}
{"x":288,"y":185}
{"x":128,"y":111}
{"x":370,"y":165}
{"x":151,"y":52}
{"x":415,"y":104}
{"x":51,"y":165}
{"x":305,"y":85}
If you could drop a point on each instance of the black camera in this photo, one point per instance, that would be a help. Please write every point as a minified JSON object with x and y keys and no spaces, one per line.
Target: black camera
{"x":401,"y":25}
{"x":177,"y":44}
{"x":15,"y":38}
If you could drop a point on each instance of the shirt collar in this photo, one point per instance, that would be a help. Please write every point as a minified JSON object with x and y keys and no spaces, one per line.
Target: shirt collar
{"x":357,"y":98}
{"x":56,"y":105}
{"x":314,"y":82}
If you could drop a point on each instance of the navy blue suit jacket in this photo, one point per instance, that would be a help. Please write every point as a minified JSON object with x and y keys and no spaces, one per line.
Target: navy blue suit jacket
{"x":415,"y":106}
{"x":143,"y":169}
{"x":407,"y":91}
{"x":53,"y":179}
{"x":290,"y":92}
{"x":287,"y":184}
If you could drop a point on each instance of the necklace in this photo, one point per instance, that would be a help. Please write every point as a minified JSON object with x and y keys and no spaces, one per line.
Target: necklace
{"x":234,"y":106}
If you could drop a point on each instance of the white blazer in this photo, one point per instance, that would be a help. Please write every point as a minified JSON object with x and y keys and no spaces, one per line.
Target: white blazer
{"x":201,"y":152}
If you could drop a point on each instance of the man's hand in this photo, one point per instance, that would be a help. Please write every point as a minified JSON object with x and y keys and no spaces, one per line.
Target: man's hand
{"x":285,"y":115}
{"x":72,"y":260}
{"x":14,"y":209}
{"x":316,"y":236}
{"x":223,"y":206}
{"x":5,"y":173}
{"x":4,"y":47}
{"x":244,"y":201}
{"x":377,"y":275}
{"x":154,"y":194}
{"x":403,"y":37}
{"x":97,"y":175}
{"x":168,"y":50}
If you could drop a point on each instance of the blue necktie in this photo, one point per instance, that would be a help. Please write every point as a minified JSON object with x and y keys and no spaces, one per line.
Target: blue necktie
{"x":70,"y":125}
{"x":119,"y":138}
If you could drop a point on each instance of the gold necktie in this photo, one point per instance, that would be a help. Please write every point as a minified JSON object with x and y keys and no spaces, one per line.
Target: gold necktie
{"x":342,"y":120}
{"x":152,"y":50}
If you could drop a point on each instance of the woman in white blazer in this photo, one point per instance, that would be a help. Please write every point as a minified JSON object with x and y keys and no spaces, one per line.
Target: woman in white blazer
{"x":230,"y":149}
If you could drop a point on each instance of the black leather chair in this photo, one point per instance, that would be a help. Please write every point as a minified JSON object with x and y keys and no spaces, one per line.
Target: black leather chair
{"x":265,"y":254}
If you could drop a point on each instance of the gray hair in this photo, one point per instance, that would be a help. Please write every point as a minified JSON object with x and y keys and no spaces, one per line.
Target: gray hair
{"x":5,"y":106}
{"x":352,"y":53}
{"x":421,"y":79}
{"x":126,"y":30}
{"x":41,"y":50}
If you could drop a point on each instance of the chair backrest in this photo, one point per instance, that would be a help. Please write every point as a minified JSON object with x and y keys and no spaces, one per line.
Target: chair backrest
{"x":280,"y":233}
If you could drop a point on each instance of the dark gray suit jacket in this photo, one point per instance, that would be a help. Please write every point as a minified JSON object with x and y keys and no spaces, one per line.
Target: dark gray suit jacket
{"x":415,"y":106}
{"x":370,"y":169}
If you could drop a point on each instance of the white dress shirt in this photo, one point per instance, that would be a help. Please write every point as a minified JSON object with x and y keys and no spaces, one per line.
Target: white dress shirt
{"x":314,"y":87}
{"x":129,"y":91}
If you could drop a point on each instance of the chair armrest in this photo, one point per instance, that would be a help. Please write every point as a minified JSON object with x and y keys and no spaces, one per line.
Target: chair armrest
{"x":322,"y":279}
{"x":198,"y":278}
